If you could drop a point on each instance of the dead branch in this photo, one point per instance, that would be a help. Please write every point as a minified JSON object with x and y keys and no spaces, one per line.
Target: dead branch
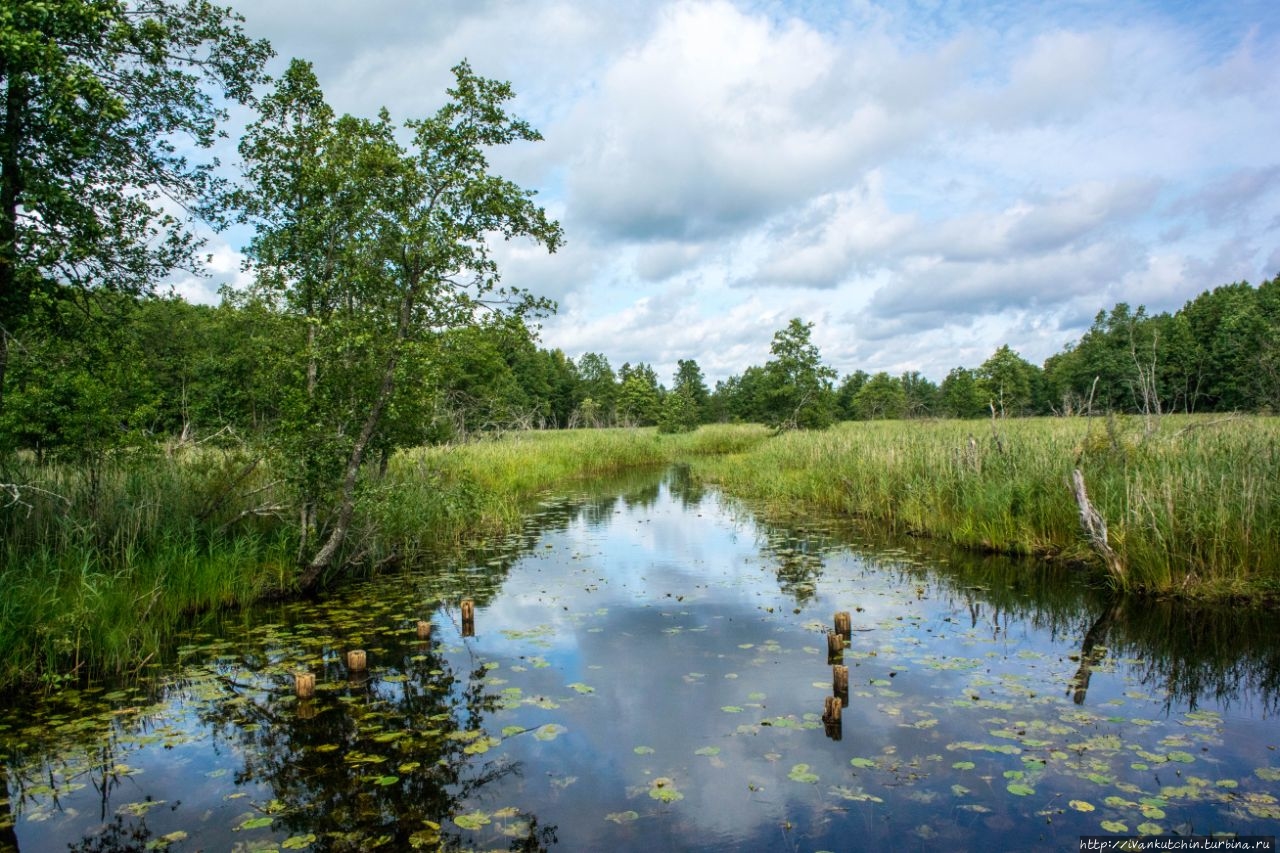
{"x":1095,"y":527}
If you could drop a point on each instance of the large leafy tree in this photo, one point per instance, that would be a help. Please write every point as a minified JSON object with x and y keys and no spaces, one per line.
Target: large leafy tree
{"x":799,"y":392}
{"x":104,"y":102}
{"x":377,"y":248}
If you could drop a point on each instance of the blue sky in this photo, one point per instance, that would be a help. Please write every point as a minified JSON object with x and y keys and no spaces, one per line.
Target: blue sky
{"x":923,"y":181}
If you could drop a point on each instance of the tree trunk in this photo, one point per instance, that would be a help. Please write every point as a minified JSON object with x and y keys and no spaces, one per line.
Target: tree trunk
{"x":311,"y":574}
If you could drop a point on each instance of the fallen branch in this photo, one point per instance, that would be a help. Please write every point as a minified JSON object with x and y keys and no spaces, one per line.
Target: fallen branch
{"x":1095,"y":527}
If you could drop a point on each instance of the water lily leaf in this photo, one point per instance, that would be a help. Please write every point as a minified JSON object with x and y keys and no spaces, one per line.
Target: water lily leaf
{"x":1081,"y":805}
{"x":1020,"y":789}
{"x":643,"y":750}
{"x":256,"y":823}
{"x":731,"y":709}
{"x":1268,"y":774}
{"x":862,"y":762}
{"x":297,"y":842}
{"x":509,"y":731}
{"x":707,"y":750}
{"x":963,"y":765}
{"x":1181,"y":757}
{"x":622,"y":817}
{"x":1115,"y":826}
{"x":472,"y":820}
{"x":1150,"y":829}
{"x":800,"y":773}
{"x":579,"y":687}
{"x":550,"y":731}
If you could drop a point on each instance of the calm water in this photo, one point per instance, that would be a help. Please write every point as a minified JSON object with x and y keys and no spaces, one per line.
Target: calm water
{"x":648,"y":671}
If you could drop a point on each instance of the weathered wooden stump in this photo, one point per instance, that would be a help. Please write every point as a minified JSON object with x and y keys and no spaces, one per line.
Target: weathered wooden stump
{"x":357,"y":660}
{"x":844,"y":625}
{"x":831,"y":721}
{"x":306,"y":709}
{"x":840,"y":684}
{"x":424,"y":630}
{"x":304,"y":684}
{"x":835,"y":647}
{"x":468,"y":610}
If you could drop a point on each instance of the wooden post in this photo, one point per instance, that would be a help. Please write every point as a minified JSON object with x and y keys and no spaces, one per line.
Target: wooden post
{"x":306,"y":709}
{"x":424,"y":630}
{"x":831,"y":721}
{"x":840,"y":684}
{"x":357,"y":660}
{"x":304,"y":684}
{"x":468,"y":618}
{"x":835,"y":647}
{"x":844,"y":626}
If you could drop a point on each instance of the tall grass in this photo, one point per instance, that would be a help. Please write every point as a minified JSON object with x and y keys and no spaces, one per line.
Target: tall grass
{"x":102,"y":561}
{"x":1193,"y":506}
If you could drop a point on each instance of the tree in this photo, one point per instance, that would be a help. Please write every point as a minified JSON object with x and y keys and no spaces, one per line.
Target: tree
{"x":688,"y":379}
{"x":848,"y":390}
{"x":960,"y":394}
{"x":377,"y":247}
{"x":798,"y":391}
{"x":99,"y":98}
{"x":1009,"y":382}
{"x":639,"y":396}
{"x":882,"y":397}
{"x":597,"y":382}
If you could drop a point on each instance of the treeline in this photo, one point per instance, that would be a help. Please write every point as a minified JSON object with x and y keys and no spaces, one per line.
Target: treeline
{"x":1219,"y":352}
{"x":117,"y":370}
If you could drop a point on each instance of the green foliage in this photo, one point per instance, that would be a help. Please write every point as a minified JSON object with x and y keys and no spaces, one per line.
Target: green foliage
{"x":679,"y":412}
{"x":881,"y":397}
{"x":1009,"y":382}
{"x":376,"y":247}
{"x":96,"y":92}
{"x":797,"y":392}
{"x":1191,"y":508}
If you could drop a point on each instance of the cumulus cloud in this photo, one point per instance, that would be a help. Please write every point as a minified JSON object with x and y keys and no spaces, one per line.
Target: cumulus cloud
{"x":924,"y":186}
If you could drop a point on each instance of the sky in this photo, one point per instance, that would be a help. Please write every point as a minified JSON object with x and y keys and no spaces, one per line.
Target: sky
{"x":923,"y":181}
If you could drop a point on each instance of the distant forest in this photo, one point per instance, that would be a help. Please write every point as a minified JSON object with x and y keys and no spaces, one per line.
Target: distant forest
{"x":108,"y":371}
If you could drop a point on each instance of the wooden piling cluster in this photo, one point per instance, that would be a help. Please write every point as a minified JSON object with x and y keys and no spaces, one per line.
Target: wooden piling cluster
{"x":304,"y":683}
{"x":839,"y":698}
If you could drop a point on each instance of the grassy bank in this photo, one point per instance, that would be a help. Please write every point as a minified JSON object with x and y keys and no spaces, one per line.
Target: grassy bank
{"x":1193,"y":505}
{"x":100,"y":563}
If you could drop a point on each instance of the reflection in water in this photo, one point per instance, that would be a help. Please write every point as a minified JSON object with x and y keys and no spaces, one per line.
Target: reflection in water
{"x":646,"y":669}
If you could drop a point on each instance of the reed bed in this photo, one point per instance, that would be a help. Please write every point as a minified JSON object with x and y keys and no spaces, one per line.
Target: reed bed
{"x":102,"y":561}
{"x":1192,"y":503}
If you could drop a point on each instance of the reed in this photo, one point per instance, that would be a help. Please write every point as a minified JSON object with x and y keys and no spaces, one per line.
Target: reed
{"x":1193,"y":504}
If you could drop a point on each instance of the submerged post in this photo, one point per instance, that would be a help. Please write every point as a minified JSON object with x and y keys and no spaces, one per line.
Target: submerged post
{"x":424,"y":630}
{"x":831,"y":721}
{"x":304,"y":684}
{"x":840,"y":683}
{"x":468,"y":618}
{"x":844,"y":625}
{"x":835,"y":647}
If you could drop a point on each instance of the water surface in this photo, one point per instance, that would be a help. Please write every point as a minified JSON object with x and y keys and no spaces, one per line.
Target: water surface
{"x":648,"y":670}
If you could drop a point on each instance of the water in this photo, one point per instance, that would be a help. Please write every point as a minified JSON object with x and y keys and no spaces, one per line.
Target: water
{"x":648,"y":670}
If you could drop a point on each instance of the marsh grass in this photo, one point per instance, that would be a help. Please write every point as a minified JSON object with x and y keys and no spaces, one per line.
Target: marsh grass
{"x":1193,"y":505}
{"x":103,"y":561}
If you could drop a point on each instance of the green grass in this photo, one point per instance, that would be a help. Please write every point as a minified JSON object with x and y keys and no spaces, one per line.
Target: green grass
{"x":1193,"y":507}
{"x":101,"y":564}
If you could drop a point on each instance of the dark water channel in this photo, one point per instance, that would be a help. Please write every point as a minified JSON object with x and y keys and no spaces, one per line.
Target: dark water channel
{"x":648,"y":672}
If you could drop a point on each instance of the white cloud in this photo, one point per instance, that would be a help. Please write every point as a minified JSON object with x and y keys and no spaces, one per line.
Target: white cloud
{"x":925,"y":184}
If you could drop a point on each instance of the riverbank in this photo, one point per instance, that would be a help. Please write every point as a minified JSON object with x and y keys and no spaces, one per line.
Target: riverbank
{"x":101,"y":562}
{"x":1192,"y":503}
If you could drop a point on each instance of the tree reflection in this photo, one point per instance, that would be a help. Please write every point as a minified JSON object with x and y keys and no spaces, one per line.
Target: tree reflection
{"x":381,"y":761}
